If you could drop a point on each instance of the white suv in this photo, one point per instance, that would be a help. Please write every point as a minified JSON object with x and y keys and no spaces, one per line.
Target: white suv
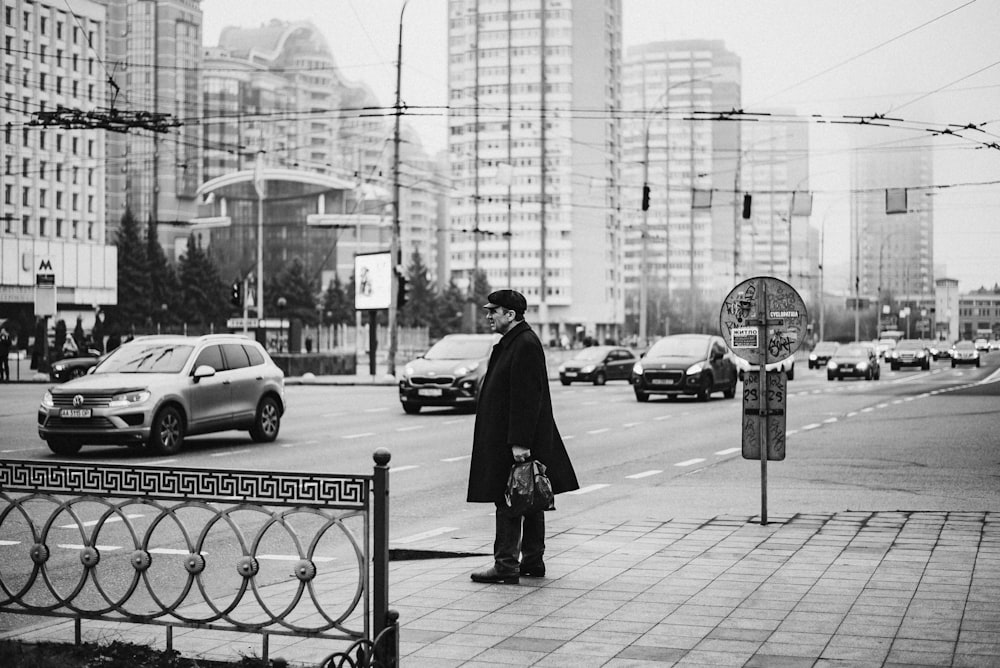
{"x":155,"y":390}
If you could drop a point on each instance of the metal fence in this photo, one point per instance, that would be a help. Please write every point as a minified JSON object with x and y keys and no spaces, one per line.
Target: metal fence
{"x":207,"y":549}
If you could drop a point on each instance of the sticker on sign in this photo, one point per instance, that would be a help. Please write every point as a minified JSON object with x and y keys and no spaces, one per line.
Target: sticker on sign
{"x":745,"y":337}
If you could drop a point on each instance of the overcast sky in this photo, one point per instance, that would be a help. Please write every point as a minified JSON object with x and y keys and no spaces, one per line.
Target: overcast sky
{"x":928,"y":62}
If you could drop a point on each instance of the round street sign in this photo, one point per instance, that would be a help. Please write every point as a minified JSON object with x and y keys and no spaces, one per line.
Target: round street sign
{"x":772,"y":328}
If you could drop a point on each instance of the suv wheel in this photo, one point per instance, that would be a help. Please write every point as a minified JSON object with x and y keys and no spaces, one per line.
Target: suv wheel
{"x":730,"y":391}
{"x":267,"y":421}
{"x":63,"y":446}
{"x":641,"y":396}
{"x":167,"y":433}
{"x":411,"y":409}
{"x":705,"y":391}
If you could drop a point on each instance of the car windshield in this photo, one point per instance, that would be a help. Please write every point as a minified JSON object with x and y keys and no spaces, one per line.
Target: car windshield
{"x":853,"y":351}
{"x":910,"y":343}
{"x":963,"y":345}
{"x":460,"y":349}
{"x":825,"y":347}
{"x":146,"y":358}
{"x":591,"y":354}
{"x":678,"y":347}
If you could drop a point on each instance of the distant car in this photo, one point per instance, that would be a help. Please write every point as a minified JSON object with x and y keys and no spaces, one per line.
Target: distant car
{"x":597,"y":365}
{"x":994,"y":344}
{"x":854,"y":360}
{"x":939,"y":350}
{"x":78,"y":365}
{"x":883,"y":347}
{"x":450,"y":373}
{"x":821,"y":354}
{"x":909,"y":352}
{"x":697,"y":364}
{"x":983,"y":345}
{"x":964,"y":352}
{"x":156,"y":390}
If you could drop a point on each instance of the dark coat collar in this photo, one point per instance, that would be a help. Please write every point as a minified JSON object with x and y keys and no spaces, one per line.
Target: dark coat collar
{"x":513,"y":333}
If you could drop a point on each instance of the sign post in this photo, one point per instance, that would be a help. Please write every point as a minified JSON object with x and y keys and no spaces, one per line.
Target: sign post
{"x":764,"y":321}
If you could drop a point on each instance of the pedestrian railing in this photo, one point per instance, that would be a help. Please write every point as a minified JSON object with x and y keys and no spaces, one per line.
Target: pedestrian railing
{"x":269,"y":553}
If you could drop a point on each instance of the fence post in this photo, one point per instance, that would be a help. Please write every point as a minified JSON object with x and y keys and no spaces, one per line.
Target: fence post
{"x":381,"y":541}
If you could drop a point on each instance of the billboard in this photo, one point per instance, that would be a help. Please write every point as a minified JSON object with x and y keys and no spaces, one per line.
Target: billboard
{"x":373,"y":281}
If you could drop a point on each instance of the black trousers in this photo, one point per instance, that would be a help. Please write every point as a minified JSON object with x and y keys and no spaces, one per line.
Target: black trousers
{"x":519,"y":540}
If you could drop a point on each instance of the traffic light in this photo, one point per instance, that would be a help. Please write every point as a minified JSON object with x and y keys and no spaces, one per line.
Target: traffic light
{"x":235,"y":294}
{"x":645,"y":197}
{"x":402,"y":295}
{"x":746,"y":206}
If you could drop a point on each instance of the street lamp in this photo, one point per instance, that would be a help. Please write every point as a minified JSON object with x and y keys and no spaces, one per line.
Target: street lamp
{"x":644,"y":233}
{"x":282,"y":302}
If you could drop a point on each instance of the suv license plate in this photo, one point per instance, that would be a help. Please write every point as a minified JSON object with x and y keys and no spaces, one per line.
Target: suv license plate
{"x":661,"y":381}
{"x":74,"y":412}
{"x":433,"y":392}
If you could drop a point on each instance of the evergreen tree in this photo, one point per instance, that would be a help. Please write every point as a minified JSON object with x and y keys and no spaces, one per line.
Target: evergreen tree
{"x":419,"y":310}
{"x":299,"y":292}
{"x":133,"y":275}
{"x":449,"y":312}
{"x":164,"y":286}
{"x":203,"y":296}
{"x":337,"y":309}
{"x":480,"y":291}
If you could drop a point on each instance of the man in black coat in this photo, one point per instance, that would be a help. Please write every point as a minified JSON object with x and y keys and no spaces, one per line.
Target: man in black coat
{"x":514,"y":423}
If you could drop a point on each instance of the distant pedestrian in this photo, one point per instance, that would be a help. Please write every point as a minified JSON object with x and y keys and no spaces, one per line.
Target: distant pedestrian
{"x":514,"y":422}
{"x":5,"y":344}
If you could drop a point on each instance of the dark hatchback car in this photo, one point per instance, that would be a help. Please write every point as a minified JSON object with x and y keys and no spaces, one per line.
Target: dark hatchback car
{"x":78,"y":365}
{"x":822,"y":353}
{"x":854,"y":360}
{"x":597,"y":365}
{"x":964,"y":352}
{"x":450,"y":373}
{"x":697,"y":364}
{"x":909,"y":352}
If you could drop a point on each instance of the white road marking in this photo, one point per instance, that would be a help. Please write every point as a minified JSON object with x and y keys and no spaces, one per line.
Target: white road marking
{"x":812,"y":425}
{"x":426,"y":534}
{"x":599,"y":431}
{"x":102,"y":548}
{"x":867,"y":409}
{"x":882,"y":406}
{"x":91,"y":523}
{"x":412,"y":428}
{"x":830,"y":420}
{"x":456,"y":459}
{"x":569,"y":437}
{"x":662,"y":417}
{"x":791,"y":432}
{"x":291,"y":557}
{"x":690,"y":462}
{"x":629,"y":425}
{"x":851,"y":414}
{"x":363,"y":434}
{"x":338,"y":414}
{"x":10,"y":542}
{"x":397,"y":469}
{"x":376,"y":410}
{"x":728,"y":451}
{"x":644,"y":474}
{"x":458,"y":421}
{"x":163,"y":462}
{"x":588,"y":489}
{"x":230,"y":453}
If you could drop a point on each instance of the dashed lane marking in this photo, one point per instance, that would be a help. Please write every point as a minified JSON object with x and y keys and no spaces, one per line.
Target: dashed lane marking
{"x":644,"y":474}
{"x":830,"y":420}
{"x":230,"y":453}
{"x":588,"y":489}
{"x":598,"y":431}
{"x":690,"y":462}
{"x":408,"y":467}
{"x":662,"y":417}
{"x":364,"y":434}
{"x":456,"y":459}
{"x":410,"y":428}
{"x":728,"y":451}
{"x":629,"y":425}
{"x":812,"y":425}
{"x":90,"y":523}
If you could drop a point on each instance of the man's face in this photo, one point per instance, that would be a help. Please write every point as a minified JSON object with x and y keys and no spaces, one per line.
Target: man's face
{"x":500,"y":319}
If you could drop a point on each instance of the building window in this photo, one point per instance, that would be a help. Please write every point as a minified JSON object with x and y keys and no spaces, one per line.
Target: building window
{"x":8,"y":194}
{"x":43,"y":224}
{"x":90,"y":231}
{"x":26,"y":196}
{"x":59,"y":227}
{"x":76,"y":202}
{"x":25,"y":225}
{"x":59,"y":200}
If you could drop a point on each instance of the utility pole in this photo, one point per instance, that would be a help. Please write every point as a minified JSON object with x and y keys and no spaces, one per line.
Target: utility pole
{"x":395,"y":250}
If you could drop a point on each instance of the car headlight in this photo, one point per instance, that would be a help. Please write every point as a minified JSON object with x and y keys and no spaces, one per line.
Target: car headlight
{"x":695,"y":368}
{"x":588,"y":369}
{"x":408,"y":371}
{"x":831,"y":365}
{"x":47,"y":400}
{"x":58,"y":367}
{"x":862,"y":366}
{"x":129,"y":398}
{"x":637,"y":368}
{"x":812,"y":358}
{"x":921,"y":353}
{"x":893,"y":354}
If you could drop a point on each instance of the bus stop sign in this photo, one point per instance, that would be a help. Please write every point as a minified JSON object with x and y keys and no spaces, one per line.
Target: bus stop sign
{"x":780,"y":318}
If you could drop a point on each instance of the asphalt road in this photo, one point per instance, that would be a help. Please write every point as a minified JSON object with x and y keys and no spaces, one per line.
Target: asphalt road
{"x":914,"y":440}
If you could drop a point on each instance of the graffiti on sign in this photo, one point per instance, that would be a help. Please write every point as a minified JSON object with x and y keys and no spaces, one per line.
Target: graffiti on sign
{"x":774,"y":420}
{"x":778,"y":320}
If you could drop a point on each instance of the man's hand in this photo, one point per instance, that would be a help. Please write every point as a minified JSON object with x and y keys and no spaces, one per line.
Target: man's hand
{"x":521,"y":454}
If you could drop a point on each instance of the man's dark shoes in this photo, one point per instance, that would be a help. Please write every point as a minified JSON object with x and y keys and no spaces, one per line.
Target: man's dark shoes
{"x":493,"y":576}
{"x":536,"y":571}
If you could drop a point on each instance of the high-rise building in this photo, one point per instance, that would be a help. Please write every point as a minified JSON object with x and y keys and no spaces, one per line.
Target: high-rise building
{"x":534,"y":144}
{"x":153,"y":65}
{"x":274,"y":94}
{"x":892,"y":220}
{"x":52,"y":215}
{"x":680,"y":252}
{"x":777,"y":239}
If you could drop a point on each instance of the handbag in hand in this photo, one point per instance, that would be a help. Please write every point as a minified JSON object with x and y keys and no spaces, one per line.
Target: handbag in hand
{"x":529,"y":489}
